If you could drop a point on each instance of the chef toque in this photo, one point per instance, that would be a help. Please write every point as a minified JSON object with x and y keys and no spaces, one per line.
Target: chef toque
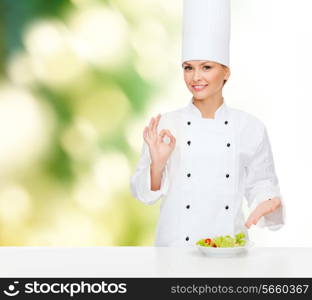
{"x":206,"y":30}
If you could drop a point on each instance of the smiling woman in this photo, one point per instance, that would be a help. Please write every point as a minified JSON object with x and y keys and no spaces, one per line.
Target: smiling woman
{"x":216,"y":154}
{"x":201,"y":74}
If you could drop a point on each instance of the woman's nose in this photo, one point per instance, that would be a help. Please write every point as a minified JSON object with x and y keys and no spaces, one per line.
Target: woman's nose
{"x":196,"y":75}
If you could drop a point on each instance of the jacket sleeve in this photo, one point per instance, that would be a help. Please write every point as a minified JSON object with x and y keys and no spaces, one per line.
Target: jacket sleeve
{"x":262,"y":184}
{"x":140,"y":182}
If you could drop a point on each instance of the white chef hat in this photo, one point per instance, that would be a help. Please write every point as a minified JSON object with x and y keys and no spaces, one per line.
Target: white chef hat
{"x":206,"y":30}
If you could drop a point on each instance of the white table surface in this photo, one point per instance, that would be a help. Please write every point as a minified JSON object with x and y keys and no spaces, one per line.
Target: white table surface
{"x":151,"y":262}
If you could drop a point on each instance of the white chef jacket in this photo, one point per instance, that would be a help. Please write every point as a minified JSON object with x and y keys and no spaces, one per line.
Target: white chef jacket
{"x":214,"y":165}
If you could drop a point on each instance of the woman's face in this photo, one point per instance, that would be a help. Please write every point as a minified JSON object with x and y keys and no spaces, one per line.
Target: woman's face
{"x":204,"y":78}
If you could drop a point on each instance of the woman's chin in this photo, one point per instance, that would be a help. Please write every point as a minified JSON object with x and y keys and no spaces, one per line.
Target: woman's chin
{"x":200,"y":95}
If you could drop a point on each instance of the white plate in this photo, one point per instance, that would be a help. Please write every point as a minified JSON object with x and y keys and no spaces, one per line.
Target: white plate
{"x":225,"y":252}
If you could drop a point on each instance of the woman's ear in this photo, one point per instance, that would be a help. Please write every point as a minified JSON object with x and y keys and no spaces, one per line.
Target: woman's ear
{"x":227,"y":73}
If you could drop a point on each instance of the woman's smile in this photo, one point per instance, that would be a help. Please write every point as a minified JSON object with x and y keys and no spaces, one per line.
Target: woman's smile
{"x":199,"y":87}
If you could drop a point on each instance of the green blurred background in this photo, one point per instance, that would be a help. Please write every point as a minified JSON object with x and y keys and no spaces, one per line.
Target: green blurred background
{"x":78,"y":81}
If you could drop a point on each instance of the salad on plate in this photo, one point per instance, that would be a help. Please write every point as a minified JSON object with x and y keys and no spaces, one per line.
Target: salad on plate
{"x":224,"y":245}
{"x":225,"y":241}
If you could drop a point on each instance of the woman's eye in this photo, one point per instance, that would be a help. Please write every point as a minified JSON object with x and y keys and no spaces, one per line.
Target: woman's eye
{"x":187,"y":68}
{"x":207,"y":67}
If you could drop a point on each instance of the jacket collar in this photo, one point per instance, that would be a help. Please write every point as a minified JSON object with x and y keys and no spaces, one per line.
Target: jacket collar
{"x":196,"y":112}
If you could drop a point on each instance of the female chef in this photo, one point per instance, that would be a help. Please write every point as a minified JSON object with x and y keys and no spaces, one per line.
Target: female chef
{"x":204,"y":158}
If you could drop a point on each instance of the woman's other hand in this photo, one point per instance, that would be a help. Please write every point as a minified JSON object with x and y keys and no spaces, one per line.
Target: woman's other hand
{"x":263,"y":209}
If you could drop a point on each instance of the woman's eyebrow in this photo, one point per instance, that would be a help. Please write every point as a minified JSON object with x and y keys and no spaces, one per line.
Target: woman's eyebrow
{"x":188,"y":64}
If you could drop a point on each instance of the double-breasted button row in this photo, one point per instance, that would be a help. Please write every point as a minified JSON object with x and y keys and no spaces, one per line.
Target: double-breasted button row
{"x":227,"y":175}
{"x":225,"y":122}
{"x":189,"y":143}
{"x":189,"y":174}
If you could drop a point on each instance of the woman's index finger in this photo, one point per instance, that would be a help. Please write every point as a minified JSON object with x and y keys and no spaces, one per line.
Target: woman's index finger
{"x":157,"y":122}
